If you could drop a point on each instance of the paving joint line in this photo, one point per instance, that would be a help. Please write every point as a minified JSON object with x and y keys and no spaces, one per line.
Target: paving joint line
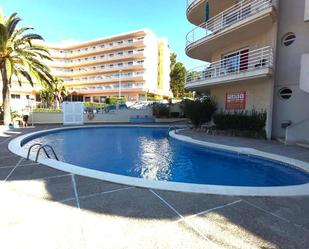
{"x":209,"y":210}
{"x":11,"y":172}
{"x":182,"y":217}
{"x":105,"y":192}
{"x":21,"y":165}
{"x":95,"y":194}
{"x":75,"y":190}
{"x":264,"y":210}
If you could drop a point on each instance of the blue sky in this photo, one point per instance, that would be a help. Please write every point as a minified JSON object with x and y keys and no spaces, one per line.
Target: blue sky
{"x":58,"y":20}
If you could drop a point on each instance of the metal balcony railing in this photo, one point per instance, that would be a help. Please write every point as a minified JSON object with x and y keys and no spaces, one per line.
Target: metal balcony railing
{"x":235,"y":64}
{"x":232,"y":15}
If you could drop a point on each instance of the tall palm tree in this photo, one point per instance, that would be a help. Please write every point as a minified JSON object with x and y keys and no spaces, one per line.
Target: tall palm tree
{"x":21,"y":58}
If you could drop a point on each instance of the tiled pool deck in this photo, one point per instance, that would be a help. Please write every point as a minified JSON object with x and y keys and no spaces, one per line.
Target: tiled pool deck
{"x":42,"y":207}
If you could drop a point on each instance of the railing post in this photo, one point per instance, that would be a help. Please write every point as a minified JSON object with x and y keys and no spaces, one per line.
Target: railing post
{"x":261,"y":60}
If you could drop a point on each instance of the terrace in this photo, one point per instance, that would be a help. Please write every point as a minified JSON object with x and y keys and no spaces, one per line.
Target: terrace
{"x":81,"y":212}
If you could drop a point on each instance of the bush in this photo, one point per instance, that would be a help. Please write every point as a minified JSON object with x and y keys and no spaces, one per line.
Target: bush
{"x":94,"y":105}
{"x":199,"y":111}
{"x":47,"y":110}
{"x":114,"y":100}
{"x":242,"y":121}
{"x":160,"y":110}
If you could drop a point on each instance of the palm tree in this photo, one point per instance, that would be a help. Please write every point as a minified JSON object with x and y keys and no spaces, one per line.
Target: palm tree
{"x":20,"y":57}
{"x":54,"y":92}
{"x":47,"y":97}
{"x":59,"y":91}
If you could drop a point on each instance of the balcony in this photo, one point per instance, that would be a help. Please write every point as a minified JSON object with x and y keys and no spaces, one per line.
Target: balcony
{"x":98,"y":70}
{"x":254,"y":64}
{"x":242,"y":21}
{"x":91,"y":61}
{"x":195,"y":11}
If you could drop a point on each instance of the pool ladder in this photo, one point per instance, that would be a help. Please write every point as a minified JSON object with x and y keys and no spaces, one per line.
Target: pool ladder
{"x":42,"y":147}
{"x":174,"y":127}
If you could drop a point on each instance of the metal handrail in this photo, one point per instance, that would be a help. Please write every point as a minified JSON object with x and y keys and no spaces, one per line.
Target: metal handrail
{"x":226,"y":18}
{"x":249,"y":61}
{"x":43,"y":147}
{"x":33,"y":145}
{"x":170,"y":129}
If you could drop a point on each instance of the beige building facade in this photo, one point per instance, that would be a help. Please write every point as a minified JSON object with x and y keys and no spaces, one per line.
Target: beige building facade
{"x":133,"y":65}
{"x":255,"y":53}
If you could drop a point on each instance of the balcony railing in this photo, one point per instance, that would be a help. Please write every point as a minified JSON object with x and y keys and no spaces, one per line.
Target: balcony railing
{"x":233,"y":65}
{"x":191,"y":2}
{"x":232,"y":15}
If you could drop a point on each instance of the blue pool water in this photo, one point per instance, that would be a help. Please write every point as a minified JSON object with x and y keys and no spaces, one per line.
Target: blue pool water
{"x":149,"y":153}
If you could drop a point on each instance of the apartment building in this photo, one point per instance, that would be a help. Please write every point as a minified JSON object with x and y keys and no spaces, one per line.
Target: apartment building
{"x":256,"y":55}
{"x":132,"y":65}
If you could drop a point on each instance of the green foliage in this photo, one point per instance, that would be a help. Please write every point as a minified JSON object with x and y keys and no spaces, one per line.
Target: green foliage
{"x":160,"y":110}
{"x":94,"y":105}
{"x":177,"y":78}
{"x":54,"y":92}
{"x":199,"y":111}
{"x":20,"y":57}
{"x":114,"y":100}
{"x":47,"y":110}
{"x":242,"y":121}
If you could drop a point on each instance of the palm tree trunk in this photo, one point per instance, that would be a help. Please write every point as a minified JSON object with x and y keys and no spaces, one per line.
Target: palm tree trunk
{"x":5,"y":96}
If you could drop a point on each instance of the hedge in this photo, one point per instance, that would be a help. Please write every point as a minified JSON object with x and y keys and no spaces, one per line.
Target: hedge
{"x":241,"y":121}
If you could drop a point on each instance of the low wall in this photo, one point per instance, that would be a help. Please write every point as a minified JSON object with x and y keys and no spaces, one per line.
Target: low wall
{"x":46,"y":118}
{"x":119,"y":116}
{"x":297,"y":133}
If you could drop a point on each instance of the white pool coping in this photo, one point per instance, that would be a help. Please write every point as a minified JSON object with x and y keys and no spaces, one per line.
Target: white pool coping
{"x":294,"y":190}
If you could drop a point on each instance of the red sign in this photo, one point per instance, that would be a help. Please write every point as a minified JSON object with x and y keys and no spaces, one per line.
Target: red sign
{"x":235,"y":101}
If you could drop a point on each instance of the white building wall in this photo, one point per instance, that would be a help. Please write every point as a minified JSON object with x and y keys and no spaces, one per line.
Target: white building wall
{"x":166,"y":60}
{"x":151,"y":61}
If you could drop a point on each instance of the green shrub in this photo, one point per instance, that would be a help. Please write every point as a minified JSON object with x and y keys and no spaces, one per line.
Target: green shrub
{"x":199,"y":111}
{"x":47,"y":110}
{"x":160,"y":110}
{"x":114,"y":100}
{"x":242,"y":121}
{"x":94,"y":105}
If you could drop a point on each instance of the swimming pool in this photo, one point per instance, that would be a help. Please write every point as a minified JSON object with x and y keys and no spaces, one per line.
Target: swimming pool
{"x":148,"y":153}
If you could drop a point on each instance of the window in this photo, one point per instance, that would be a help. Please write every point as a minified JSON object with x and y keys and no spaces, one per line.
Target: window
{"x":130,"y":52}
{"x":130,"y":40}
{"x":130,"y":63}
{"x":285,"y":93}
{"x":234,"y":62}
{"x":120,"y":53}
{"x":27,"y":96}
{"x":288,"y":39}
{"x":120,"y":42}
{"x":15,"y":96}
{"x":140,"y":38}
{"x":111,"y":55}
{"x":87,"y":99}
{"x":120,"y":64}
{"x":96,"y":99}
